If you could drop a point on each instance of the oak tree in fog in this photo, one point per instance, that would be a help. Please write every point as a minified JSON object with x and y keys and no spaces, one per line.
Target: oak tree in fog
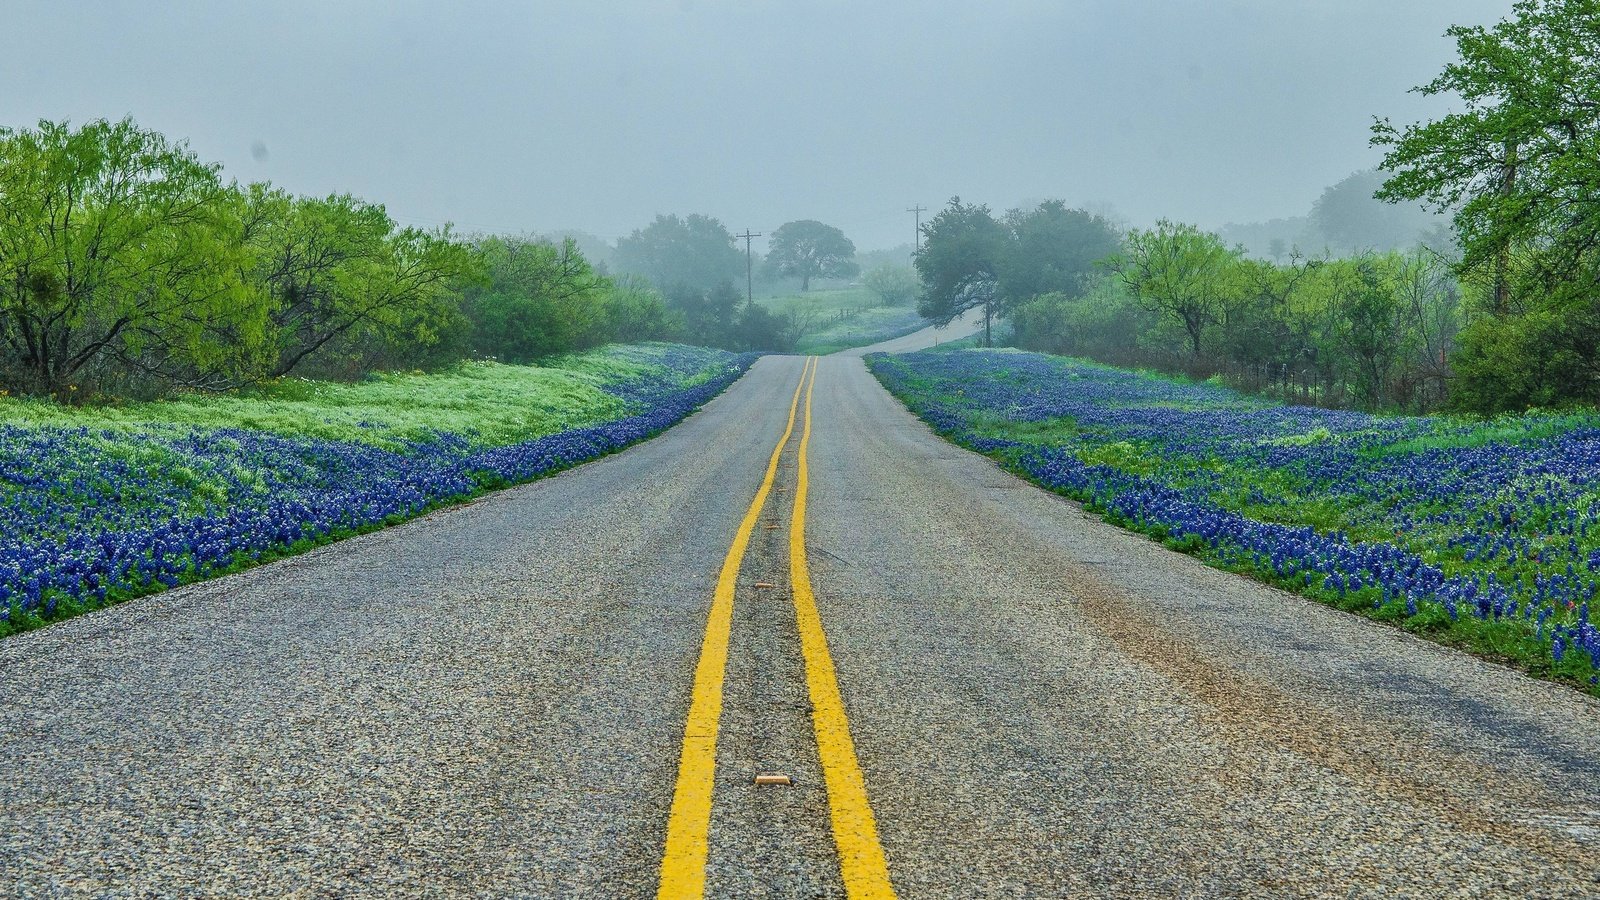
{"x":808,"y":249}
{"x":963,"y":249}
{"x":1054,"y":249}
{"x":694,"y":252}
{"x":1352,"y":220}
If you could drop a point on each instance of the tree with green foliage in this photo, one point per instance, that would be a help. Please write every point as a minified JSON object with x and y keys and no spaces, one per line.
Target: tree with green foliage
{"x":1054,"y":249}
{"x":1368,"y":325}
{"x":720,"y":318}
{"x":894,"y":285}
{"x":636,"y":311}
{"x":537,"y":299}
{"x":340,"y":274}
{"x":120,"y":252}
{"x":758,"y":328}
{"x":1517,"y":167}
{"x":1182,"y":272}
{"x":695,"y":253}
{"x":808,"y":249}
{"x":963,"y":250}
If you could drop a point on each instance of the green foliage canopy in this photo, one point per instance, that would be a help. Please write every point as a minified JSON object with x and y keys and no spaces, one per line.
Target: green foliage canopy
{"x":119,"y":250}
{"x":339,"y":273}
{"x":962,"y":252}
{"x":538,"y":299}
{"x":1519,"y":168}
{"x":1518,"y":165}
{"x":1054,"y":249}
{"x":1180,"y":271}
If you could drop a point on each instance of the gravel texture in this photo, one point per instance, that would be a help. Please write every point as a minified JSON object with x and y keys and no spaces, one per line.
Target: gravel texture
{"x":489,"y":701}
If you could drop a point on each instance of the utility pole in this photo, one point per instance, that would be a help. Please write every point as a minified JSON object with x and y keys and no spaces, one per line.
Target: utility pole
{"x":919,"y":209}
{"x":749,"y":283}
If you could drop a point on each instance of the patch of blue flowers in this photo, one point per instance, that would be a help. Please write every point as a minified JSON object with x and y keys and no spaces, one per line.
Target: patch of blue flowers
{"x":96,"y":516}
{"x":1426,"y":517}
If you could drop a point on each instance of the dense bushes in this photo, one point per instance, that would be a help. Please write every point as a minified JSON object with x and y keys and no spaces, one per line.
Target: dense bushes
{"x":129,"y":266}
{"x":1372,"y":330}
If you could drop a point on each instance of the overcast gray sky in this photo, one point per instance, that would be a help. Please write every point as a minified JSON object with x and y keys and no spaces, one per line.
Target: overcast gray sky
{"x":598,"y":114}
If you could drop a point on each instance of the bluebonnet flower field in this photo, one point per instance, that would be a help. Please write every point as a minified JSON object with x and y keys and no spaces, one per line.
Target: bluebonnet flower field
{"x":1484,"y":534}
{"x":100,"y":505}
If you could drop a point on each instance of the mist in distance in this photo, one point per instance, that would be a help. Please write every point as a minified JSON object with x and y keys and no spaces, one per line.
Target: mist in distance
{"x":539,"y":117}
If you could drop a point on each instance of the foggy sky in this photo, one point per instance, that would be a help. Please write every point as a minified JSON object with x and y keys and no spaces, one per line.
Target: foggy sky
{"x":598,"y":114}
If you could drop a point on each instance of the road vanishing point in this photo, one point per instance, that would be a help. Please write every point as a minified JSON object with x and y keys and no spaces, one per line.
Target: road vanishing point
{"x":949,"y":682}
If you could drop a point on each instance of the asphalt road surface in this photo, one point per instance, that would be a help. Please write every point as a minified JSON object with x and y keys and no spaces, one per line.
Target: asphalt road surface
{"x":495,"y":700}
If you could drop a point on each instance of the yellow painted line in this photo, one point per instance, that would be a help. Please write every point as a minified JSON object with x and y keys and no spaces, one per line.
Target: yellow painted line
{"x":861,"y":862}
{"x":683,"y":861}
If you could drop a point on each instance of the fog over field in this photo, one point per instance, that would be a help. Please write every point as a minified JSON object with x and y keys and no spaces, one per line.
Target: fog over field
{"x":533,"y":116}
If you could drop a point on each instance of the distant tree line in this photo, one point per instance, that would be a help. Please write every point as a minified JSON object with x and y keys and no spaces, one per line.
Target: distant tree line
{"x":130,"y":267}
{"x":1371,"y":330}
{"x":1504,"y":315}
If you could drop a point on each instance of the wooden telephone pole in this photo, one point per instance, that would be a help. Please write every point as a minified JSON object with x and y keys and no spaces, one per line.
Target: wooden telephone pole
{"x":919,"y":209}
{"x":749,"y":283}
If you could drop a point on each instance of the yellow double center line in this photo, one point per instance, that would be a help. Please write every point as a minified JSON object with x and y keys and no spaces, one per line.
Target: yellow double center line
{"x":861,"y":862}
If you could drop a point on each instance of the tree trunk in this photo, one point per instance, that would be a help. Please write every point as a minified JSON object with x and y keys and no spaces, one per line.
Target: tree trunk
{"x":988,"y":333}
{"x":1502,"y":277}
{"x":1195,"y":329}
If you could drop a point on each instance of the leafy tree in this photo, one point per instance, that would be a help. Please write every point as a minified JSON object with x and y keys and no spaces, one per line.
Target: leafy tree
{"x":1369,"y":325}
{"x":720,"y":318}
{"x":1539,"y":359}
{"x":894,"y":285}
{"x":962,"y":252}
{"x":538,"y":299}
{"x":1518,"y":169}
{"x":1257,"y":330}
{"x":1054,"y":249}
{"x":1103,"y":323}
{"x":709,"y":316}
{"x":695,"y":253}
{"x":340,"y":273}
{"x":758,"y":328}
{"x":635,"y":311}
{"x":119,"y":251}
{"x":1182,"y":272}
{"x":808,"y":249}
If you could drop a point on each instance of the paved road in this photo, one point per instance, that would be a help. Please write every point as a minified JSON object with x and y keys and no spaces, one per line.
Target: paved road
{"x":491,"y":701}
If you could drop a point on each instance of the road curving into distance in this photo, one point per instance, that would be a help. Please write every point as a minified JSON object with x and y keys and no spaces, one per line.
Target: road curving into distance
{"x":973,"y":688}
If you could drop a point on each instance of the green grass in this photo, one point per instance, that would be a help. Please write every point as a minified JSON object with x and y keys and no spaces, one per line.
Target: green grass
{"x":1386,"y":479}
{"x":495,"y":404}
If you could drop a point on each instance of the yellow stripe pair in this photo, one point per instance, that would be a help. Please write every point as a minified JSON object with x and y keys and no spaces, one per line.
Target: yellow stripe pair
{"x":862,"y":866}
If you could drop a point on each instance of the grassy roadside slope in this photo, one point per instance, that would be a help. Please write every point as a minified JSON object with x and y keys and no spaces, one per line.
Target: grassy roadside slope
{"x":840,"y":319}
{"x":1484,"y":535}
{"x":101,"y":504}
